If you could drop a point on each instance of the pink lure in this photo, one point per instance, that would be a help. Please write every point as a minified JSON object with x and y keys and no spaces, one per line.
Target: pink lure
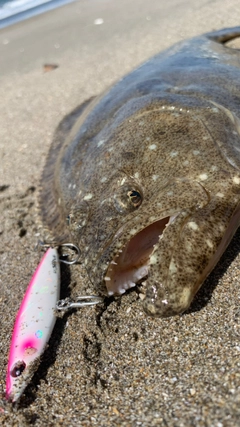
{"x":34,"y":324}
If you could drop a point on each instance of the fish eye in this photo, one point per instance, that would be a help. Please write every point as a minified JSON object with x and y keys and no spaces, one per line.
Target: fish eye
{"x":18,"y":369}
{"x":127,"y":199}
{"x":135,"y":198}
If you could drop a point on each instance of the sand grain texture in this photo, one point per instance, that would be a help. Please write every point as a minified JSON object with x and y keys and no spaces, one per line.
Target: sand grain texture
{"x":108,"y":365}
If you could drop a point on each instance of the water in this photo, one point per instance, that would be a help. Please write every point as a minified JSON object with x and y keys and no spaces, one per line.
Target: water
{"x":12,"y":11}
{"x":12,"y":7}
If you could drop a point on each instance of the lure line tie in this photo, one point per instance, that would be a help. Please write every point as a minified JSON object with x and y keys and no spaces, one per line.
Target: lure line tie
{"x":81,"y":301}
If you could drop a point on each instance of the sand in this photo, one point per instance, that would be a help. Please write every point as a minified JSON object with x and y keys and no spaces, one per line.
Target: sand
{"x":106,"y":365}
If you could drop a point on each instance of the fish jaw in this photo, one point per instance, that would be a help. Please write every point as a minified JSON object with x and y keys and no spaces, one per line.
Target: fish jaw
{"x":34,"y":324}
{"x":131,"y":263}
{"x":126,"y":259}
{"x":201,"y":242}
{"x":175,"y":254}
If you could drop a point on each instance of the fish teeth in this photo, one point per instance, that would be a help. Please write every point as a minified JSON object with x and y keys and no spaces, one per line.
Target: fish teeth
{"x":131,"y":285}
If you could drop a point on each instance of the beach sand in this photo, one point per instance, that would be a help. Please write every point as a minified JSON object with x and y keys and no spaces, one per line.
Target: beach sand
{"x":109,"y":365}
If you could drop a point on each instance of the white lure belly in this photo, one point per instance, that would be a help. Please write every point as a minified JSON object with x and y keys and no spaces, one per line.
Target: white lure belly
{"x":34,"y":324}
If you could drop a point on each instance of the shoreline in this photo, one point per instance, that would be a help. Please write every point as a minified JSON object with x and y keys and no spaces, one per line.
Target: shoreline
{"x":22,"y":15}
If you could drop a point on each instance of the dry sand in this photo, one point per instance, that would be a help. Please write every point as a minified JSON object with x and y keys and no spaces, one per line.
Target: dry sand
{"x":109,"y":365}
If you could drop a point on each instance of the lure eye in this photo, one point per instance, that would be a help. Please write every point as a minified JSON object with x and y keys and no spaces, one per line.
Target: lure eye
{"x":135,"y":198}
{"x":18,"y":369}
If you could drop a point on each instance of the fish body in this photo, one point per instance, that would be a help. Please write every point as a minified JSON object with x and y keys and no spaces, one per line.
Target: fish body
{"x":34,"y":324}
{"x":146,"y":177}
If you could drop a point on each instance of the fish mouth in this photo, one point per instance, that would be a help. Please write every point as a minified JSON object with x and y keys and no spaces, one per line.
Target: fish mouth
{"x":132,"y":262}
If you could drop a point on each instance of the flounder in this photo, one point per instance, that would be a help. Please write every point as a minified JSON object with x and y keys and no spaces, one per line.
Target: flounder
{"x":146,"y":178}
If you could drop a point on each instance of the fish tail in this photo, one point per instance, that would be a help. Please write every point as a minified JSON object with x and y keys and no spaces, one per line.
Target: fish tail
{"x":224,"y":35}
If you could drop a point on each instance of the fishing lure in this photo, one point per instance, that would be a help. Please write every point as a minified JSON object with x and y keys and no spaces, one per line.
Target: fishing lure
{"x":34,"y":324}
{"x":36,"y":319}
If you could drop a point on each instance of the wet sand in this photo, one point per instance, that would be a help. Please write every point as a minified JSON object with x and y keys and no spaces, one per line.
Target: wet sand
{"x":108,"y":365}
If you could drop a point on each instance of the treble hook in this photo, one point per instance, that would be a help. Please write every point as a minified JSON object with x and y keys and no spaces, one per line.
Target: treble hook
{"x":71,"y":245}
{"x":68,"y":245}
{"x":81,"y":301}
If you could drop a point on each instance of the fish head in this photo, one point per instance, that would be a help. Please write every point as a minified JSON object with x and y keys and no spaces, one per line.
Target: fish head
{"x":160,"y":204}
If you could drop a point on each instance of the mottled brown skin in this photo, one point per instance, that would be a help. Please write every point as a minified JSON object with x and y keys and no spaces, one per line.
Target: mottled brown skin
{"x":170,"y":132}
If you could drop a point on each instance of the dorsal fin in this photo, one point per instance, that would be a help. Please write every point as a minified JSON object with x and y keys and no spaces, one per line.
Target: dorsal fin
{"x":51,"y":215}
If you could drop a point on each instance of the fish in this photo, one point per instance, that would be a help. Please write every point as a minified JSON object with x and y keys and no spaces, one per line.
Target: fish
{"x":33,"y":325}
{"x":145,"y":178}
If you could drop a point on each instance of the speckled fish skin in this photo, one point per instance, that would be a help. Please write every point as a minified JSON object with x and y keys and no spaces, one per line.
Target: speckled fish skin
{"x":168,"y":132}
